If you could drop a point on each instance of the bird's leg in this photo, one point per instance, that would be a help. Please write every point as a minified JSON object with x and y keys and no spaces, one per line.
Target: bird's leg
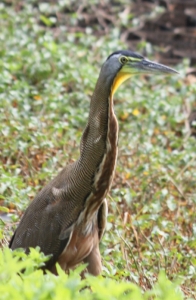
{"x":94,"y":258}
{"x":94,"y":261}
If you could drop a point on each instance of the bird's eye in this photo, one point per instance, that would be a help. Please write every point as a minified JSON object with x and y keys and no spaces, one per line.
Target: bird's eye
{"x":123,"y":60}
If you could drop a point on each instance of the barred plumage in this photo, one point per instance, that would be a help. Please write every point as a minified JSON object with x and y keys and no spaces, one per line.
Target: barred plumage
{"x":67,"y":218}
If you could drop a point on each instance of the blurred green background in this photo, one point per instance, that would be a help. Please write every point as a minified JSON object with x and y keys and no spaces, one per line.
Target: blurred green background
{"x":50,"y":57}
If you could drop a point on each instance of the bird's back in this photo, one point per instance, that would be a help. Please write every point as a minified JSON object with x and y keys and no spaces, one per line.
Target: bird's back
{"x":53,"y":211}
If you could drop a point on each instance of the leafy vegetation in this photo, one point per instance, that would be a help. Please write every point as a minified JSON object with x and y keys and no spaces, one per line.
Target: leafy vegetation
{"x":47,"y":75}
{"x":33,"y":284}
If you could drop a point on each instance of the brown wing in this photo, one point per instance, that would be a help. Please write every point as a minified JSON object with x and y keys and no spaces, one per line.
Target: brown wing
{"x":49,"y":214}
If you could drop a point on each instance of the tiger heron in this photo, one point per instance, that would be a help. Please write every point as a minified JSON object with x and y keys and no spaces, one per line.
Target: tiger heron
{"x":67,"y":218}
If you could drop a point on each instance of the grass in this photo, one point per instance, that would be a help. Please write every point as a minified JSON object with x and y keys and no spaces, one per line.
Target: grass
{"x":47,"y":76}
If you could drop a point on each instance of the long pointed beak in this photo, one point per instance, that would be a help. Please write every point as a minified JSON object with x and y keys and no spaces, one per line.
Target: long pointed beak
{"x":139,"y":66}
{"x":151,"y":67}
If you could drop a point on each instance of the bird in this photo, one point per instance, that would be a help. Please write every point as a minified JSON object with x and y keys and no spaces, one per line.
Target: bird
{"x":68,"y":217}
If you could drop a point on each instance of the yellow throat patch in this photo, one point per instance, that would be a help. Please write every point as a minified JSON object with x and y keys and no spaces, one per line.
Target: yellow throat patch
{"x":119,"y":79}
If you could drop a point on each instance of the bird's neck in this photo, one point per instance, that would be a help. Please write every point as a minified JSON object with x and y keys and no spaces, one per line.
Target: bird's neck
{"x":101,"y":123}
{"x":99,"y":140}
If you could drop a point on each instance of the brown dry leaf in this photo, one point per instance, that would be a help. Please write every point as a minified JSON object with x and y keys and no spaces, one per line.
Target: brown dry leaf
{"x":37,"y":97}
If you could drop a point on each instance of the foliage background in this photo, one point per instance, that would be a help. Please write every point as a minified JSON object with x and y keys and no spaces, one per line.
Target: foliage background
{"x":48,"y":68}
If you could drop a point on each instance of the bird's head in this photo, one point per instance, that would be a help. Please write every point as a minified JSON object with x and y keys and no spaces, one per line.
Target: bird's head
{"x":123,"y":64}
